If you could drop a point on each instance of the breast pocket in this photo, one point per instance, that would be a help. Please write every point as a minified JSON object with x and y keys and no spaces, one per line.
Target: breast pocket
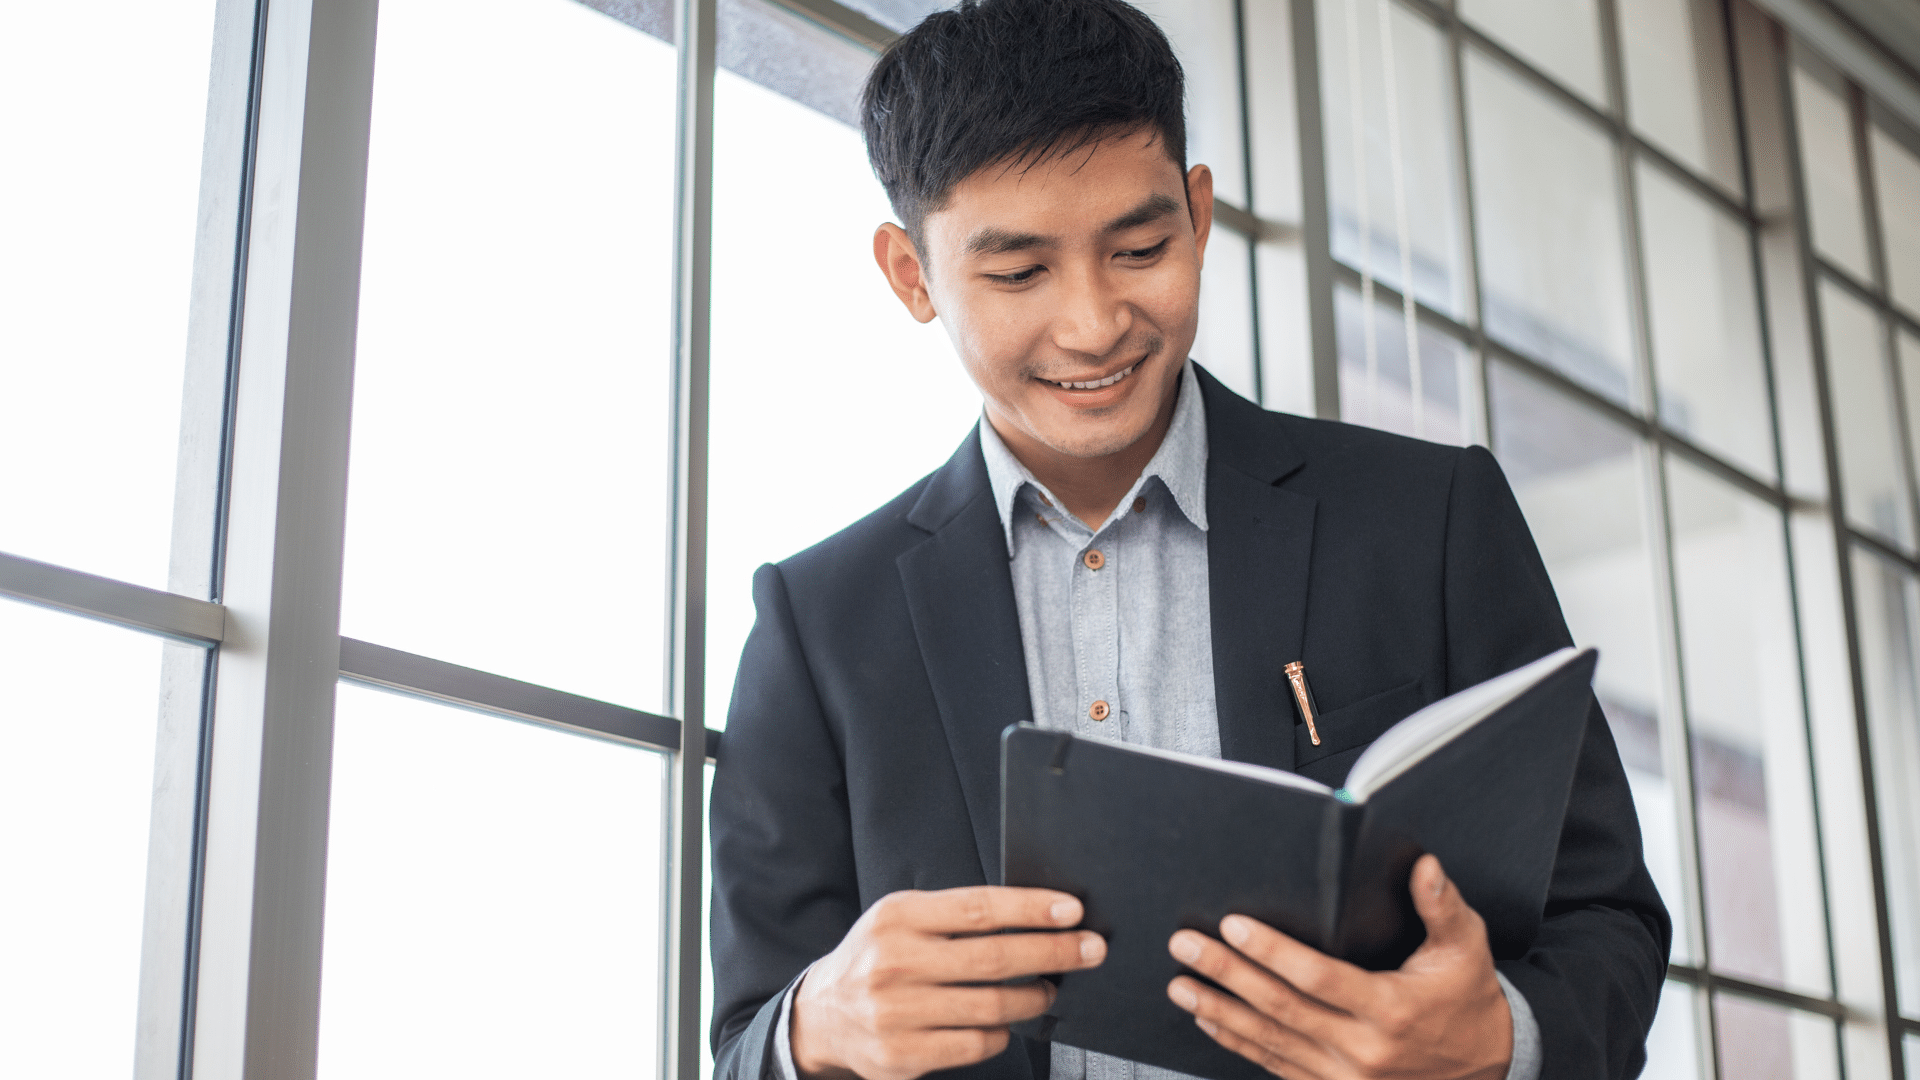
{"x":1352,"y":727}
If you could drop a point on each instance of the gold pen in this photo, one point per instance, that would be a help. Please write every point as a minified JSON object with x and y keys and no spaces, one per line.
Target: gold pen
{"x":1297,"y":675}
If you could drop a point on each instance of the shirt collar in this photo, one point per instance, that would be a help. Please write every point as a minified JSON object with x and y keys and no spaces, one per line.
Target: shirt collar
{"x":1180,"y":463}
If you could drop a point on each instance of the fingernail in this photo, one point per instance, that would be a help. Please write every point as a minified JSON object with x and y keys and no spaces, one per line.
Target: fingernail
{"x":1093,"y":949}
{"x":1065,"y":912}
{"x":1234,"y":928}
{"x":1207,"y":1026}
{"x":1183,"y":996}
{"x":1184,"y":948}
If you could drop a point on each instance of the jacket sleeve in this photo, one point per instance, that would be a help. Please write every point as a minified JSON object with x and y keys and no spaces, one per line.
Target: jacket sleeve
{"x":1593,"y":976}
{"x":784,"y":885}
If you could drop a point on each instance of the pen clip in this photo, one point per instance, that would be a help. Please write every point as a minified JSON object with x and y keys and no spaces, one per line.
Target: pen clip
{"x":1297,"y":678}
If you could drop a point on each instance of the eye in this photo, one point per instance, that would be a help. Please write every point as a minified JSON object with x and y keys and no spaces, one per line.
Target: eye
{"x":1141,"y":254}
{"x":1020,"y":278}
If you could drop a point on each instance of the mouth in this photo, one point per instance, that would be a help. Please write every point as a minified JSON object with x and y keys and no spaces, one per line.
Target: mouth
{"x":1094,"y":384}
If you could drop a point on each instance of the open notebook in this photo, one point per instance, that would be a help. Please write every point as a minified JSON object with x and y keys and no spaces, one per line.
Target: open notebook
{"x":1153,"y":841}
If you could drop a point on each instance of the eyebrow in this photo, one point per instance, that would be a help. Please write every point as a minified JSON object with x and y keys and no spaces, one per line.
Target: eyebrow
{"x":997,"y":241}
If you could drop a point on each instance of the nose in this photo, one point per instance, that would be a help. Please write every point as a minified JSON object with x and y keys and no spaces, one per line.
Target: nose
{"x":1092,"y":318}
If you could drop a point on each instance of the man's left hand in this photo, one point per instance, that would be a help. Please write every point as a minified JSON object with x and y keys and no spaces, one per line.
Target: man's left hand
{"x":1303,"y":1015}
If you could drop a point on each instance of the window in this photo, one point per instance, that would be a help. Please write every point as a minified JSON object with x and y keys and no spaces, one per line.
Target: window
{"x":389,"y":324}
{"x":77,"y":705}
{"x":493,"y":897}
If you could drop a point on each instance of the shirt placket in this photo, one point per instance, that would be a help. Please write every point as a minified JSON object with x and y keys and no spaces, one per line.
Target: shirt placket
{"x":1096,"y":636}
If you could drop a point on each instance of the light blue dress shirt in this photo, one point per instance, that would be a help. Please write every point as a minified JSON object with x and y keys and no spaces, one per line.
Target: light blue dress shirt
{"x":1116,"y":627}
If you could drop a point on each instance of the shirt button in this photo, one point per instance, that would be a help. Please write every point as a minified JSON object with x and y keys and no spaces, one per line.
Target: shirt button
{"x":1094,"y":561}
{"x":1100,"y":711}
{"x":1139,"y":504}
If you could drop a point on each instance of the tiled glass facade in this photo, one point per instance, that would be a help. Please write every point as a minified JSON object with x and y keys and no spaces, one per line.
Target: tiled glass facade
{"x":1661,"y":256}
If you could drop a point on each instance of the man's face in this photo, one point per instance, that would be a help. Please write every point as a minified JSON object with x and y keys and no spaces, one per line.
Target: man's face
{"x":1071,"y":290}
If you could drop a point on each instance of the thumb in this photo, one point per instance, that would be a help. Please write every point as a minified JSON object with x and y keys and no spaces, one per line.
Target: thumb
{"x":1450,"y":922}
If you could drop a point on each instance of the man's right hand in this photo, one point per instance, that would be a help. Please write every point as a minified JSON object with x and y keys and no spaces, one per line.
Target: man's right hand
{"x":913,"y":986}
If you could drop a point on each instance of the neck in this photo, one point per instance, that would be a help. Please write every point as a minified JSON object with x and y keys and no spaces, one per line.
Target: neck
{"x":1089,"y":487}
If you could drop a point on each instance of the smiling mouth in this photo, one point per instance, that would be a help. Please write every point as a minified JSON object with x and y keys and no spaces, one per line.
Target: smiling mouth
{"x":1095,"y":384}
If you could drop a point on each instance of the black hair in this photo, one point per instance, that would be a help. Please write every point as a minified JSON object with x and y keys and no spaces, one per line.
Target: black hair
{"x":1012,"y":81}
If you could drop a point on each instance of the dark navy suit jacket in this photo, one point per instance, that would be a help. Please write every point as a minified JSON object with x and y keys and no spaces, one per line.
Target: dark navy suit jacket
{"x":861,"y":755}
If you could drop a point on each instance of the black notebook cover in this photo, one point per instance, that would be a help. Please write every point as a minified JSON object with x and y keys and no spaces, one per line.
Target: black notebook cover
{"x":1151,"y":845}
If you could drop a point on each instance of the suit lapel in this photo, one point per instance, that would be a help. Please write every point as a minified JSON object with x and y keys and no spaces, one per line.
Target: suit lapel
{"x":1259,"y":549}
{"x":960,"y":597}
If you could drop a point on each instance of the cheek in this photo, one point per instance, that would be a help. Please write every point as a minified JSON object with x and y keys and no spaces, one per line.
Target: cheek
{"x":1172,"y":300}
{"x":993,"y":339}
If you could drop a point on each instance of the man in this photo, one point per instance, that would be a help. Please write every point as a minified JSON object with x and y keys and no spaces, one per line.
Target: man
{"x":1122,"y":548}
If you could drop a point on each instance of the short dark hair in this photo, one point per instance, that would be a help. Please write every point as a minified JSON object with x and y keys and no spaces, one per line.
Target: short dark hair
{"x":994,"y":81}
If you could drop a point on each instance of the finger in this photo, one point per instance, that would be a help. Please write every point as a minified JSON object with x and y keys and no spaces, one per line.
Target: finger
{"x":1272,"y":1046}
{"x":1323,"y":978}
{"x":1268,"y":994}
{"x":1449,"y":920}
{"x":980,"y":909}
{"x":1014,"y":956}
{"x":986,"y":1006}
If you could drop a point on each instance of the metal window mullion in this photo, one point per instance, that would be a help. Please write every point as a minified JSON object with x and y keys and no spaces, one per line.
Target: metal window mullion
{"x":163,"y":1039}
{"x":1316,"y":234}
{"x":696,"y":29}
{"x":1676,"y":723}
{"x":1904,"y":434}
{"x":1904,"y":437}
{"x":257,"y":990}
{"x":1481,"y":398}
{"x":1253,"y":211}
{"x":1843,"y":545}
{"x":1733,"y":23}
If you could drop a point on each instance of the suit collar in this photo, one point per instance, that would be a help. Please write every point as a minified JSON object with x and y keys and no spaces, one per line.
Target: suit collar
{"x":1245,"y":437}
{"x":960,"y":599}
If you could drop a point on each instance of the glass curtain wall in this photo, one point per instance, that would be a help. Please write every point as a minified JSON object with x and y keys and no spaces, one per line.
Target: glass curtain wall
{"x":1657,"y":254}
{"x":1545,"y":208}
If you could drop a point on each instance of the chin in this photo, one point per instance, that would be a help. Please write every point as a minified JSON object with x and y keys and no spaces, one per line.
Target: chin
{"x":1098,"y":443}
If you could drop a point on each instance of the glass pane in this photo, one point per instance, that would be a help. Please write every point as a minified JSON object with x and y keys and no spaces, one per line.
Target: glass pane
{"x":779,"y":51}
{"x":1548,"y":205}
{"x":1753,"y":794}
{"x":1673,"y":1046}
{"x":902,"y":15}
{"x":1896,"y":180}
{"x":780,"y":355}
{"x":1366,"y":224}
{"x":107,"y":105}
{"x":1224,"y":343}
{"x":1561,"y":37}
{"x":508,"y":492}
{"x":76,"y":787}
{"x":1706,"y":325}
{"x":1206,"y":40}
{"x":1863,"y":410}
{"x":1380,"y":394}
{"x":1580,"y":481}
{"x":1831,"y":172}
{"x":1888,"y":602}
{"x":493,"y":898}
{"x":1763,"y":1041}
{"x":1678,"y":92}
{"x":1912,"y":1046}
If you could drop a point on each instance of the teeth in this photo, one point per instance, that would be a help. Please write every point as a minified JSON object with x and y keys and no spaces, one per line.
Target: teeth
{"x":1098,"y":383}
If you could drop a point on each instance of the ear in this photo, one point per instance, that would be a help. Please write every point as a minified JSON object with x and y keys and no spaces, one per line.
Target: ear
{"x":1200,"y":206}
{"x":893,"y":250}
